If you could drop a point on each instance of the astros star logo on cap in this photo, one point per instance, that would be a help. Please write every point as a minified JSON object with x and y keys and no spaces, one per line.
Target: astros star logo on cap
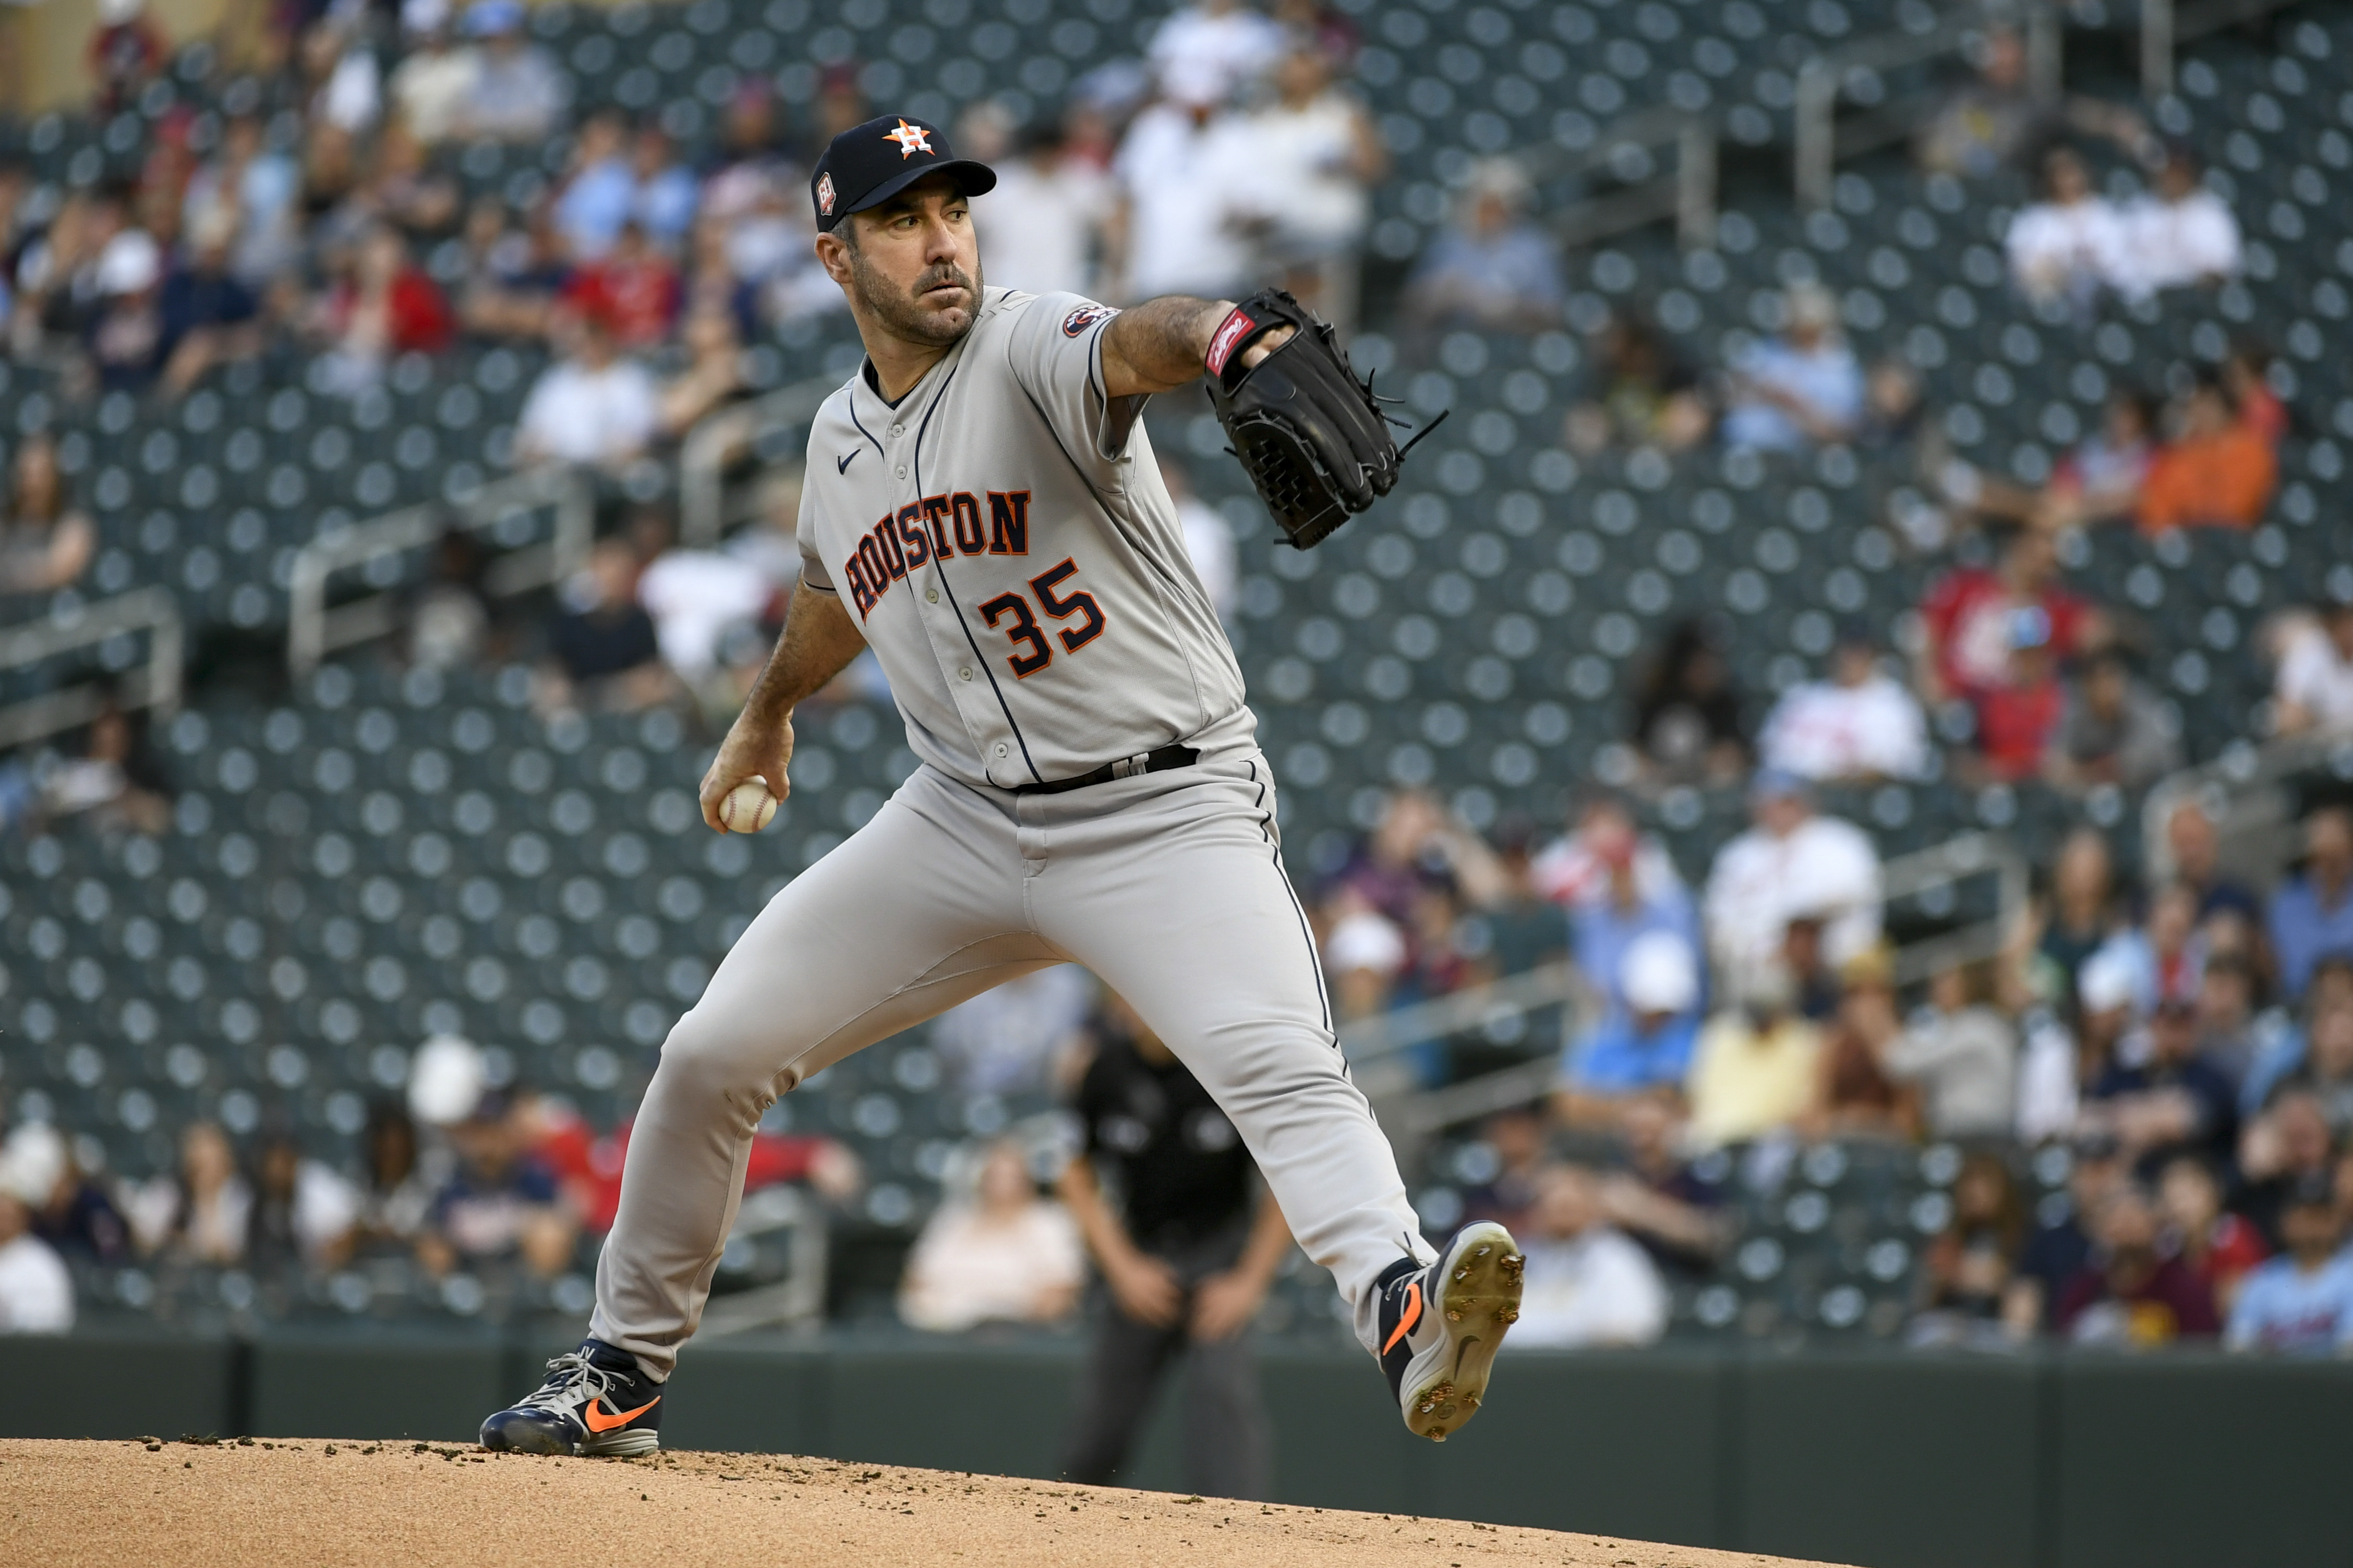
{"x":911,"y":139}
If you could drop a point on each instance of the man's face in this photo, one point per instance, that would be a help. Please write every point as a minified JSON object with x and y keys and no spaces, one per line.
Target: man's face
{"x":2310,"y":1230}
{"x":2191,"y":833}
{"x":2129,"y":1226}
{"x":913,"y":263}
{"x":1781,"y":814}
{"x":2332,"y":1044}
{"x":2104,"y":689}
{"x":2173,"y":1034}
{"x":1853,"y":667}
{"x":2030,"y":561}
{"x":2331,"y":846}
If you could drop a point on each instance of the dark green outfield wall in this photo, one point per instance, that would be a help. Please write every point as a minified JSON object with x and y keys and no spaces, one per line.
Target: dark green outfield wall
{"x":1890,"y":1462}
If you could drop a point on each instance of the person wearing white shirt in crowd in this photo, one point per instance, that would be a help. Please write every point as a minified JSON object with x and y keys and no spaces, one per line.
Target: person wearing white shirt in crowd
{"x":1003,"y":1255}
{"x":1040,"y":227}
{"x":1215,"y":47}
{"x":2181,"y":237}
{"x":1792,"y":863}
{"x":35,"y":1291}
{"x":1182,"y":170}
{"x":1209,"y":537}
{"x":2315,"y":688}
{"x":1317,"y":157}
{"x":592,"y":407}
{"x":2071,"y":244}
{"x":433,"y":82}
{"x":1858,"y":724}
{"x":1588,"y":1283}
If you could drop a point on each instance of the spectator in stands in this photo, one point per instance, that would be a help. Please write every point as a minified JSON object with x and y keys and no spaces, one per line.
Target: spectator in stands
{"x":663,"y":195}
{"x":402,"y":1176}
{"x":124,"y":338}
{"x":1860,"y":724}
{"x":1753,"y":1067}
{"x":1962,"y":1052}
{"x":1188,"y":1255}
{"x":2287,"y":1145}
{"x":2099,"y":479}
{"x":2217,"y":1246}
{"x":1415,"y":843}
{"x":45,"y":541}
{"x":631,"y":287}
{"x":511,"y":276}
{"x":1005,"y":1254}
{"x":1588,"y":1283}
{"x":1023,"y":1036}
{"x":1208,"y":537}
{"x":600,"y":189}
{"x":712,"y":378}
{"x":2217,"y":471}
{"x":2062,"y":1246}
{"x":1317,"y":155}
{"x":207,"y":317}
{"x":126,"y":51}
{"x":603,"y":645}
{"x":1215,"y":48}
{"x":1687,"y":712}
{"x":2301,"y":1302}
{"x":1999,"y":119}
{"x":117,"y":779}
{"x":1640,"y":393}
{"x":1792,"y":863}
{"x":70,"y":1211}
{"x":2314,"y":693}
{"x":434,"y":83}
{"x":1969,"y":619}
{"x":593,"y":408}
{"x":1042,"y":224}
{"x":1855,"y":1096}
{"x":1183,"y":170}
{"x":36,"y":1292}
{"x":1800,"y":388}
{"x":1491,"y":269}
{"x":1632,"y":897}
{"x":447,"y":624}
{"x":404,"y":189}
{"x":2230,"y":1033}
{"x":2174,"y":1104}
{"x":2079,"y":915}
{"x":387,"y":308}
{"x":2312,"y":912}
{"x":2182,"y":235}
{"x":1642,"y":1044}
{"x":1968,"y":1266}
{"x":2018,"y":716}
{"x":2326,"y":1071}
{"x":2191,"y":837}
{"x":518,"y":93}
{"x":1656,"y":1196}
{"x":1583,"y":867}
{"x":2280,"y":1037}
{"x":304,"y":1212}
{"x":202,"y":1217}
{"x":2066,"y":248}
{"x":2131,"y":1296}
{"x":2112,"y":731}
{"x":499,"y":1205}
{"x":2246,"y":376}
{"x":1515,"y":1162}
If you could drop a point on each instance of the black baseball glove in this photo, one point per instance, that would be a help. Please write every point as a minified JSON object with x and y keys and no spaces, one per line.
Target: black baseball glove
{"x":1311,"y":435}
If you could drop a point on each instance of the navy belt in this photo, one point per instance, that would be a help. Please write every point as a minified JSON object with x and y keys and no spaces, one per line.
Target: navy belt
{"x":1159,"y":762}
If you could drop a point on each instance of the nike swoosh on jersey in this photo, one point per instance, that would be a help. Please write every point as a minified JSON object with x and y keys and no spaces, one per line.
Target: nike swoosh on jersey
{"x":841,"y":465}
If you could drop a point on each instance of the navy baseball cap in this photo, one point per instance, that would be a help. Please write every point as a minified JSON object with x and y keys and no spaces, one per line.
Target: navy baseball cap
{"x":868,"y":164}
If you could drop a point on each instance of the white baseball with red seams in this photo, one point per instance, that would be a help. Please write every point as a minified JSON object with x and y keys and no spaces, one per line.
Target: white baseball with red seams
{"x":1001,"y":538}
{"x":748,"y":808}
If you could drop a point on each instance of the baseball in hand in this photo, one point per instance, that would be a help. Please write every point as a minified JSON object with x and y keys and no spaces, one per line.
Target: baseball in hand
{"x":748,"y":807}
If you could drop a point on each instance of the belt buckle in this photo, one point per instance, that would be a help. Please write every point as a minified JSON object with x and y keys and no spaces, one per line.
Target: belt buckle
{"x":1128,"y":767}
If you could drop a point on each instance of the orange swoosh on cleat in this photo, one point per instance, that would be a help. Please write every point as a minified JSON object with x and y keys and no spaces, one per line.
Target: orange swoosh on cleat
{"x":1407,"y":1319}
{"x":595,"y":1420}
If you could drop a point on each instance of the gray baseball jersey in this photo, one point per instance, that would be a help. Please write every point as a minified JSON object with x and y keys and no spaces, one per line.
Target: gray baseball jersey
{"x":1003,"y":540}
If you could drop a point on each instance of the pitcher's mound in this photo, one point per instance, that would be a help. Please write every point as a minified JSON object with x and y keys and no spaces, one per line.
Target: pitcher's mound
{"x":389,"y":1505}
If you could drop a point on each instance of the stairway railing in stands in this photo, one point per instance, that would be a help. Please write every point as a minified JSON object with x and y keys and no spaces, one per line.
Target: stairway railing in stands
{"x":314,"y":630}
{"x":156,"y":684}
{"x":761,"y":427}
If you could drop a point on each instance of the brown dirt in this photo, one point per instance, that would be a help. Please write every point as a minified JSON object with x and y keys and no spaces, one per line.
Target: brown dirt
{"x":389,"y":1505}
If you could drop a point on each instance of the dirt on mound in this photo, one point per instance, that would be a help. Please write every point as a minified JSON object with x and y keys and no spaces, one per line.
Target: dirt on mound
{"x":388,"y":1505}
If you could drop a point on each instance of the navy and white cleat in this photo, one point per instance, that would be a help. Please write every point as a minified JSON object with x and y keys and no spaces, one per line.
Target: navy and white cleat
{"x":594,"y":1403}
{"x":1441,"y":1327}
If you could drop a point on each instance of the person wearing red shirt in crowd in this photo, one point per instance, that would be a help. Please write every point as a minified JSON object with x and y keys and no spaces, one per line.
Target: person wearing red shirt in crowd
{"x":2131,"y":1295}
{"x":126,"y":52}
{"x":389,"y":305}
{"x":1968,"y":620}
{"x":2260,"y":408}
{"x":2218,"y":473}
{"x":2218,"y":1246}
{"x":2016,"y":717}
{"x":588,"y":1167}
{"x":633,"y":286}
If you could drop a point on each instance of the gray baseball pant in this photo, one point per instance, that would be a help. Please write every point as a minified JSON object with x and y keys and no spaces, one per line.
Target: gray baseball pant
{"x":1167,"y":885}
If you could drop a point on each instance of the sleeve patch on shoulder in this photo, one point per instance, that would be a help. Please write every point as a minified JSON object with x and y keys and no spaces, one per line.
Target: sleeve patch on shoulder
{"x":1085,"y":316}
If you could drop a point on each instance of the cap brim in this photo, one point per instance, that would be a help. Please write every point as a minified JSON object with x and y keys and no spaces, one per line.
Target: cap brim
{"x":976,"y":178}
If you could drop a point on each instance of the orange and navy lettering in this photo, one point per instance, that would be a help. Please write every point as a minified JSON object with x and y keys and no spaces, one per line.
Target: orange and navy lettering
{"x":941,"y":527}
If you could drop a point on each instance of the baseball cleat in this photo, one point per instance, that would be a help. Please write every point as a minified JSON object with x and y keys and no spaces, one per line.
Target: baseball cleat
{"x":594,"y":1403}
{"x":1441,"y":1327}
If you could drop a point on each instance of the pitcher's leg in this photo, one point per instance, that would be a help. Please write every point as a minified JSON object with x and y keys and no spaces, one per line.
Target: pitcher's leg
{"x":1181,"y":906}
{"x":916,"y":912}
